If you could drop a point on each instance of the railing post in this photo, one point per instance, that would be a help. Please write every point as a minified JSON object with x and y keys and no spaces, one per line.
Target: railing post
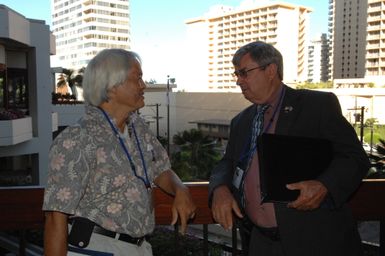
{"x":176,"y":235}
{"x":22,"y":242}
{"x":382,"y":237}
{"x":205,"y":240}
{"x":234,"y":240}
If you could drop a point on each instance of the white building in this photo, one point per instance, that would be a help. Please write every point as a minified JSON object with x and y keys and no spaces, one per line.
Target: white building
{"x":214,"y":38}
{"x":26,"y":84}
{"x":84,"y":27}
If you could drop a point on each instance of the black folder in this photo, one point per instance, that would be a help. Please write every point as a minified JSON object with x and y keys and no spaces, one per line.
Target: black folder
{"x":288,"y":159}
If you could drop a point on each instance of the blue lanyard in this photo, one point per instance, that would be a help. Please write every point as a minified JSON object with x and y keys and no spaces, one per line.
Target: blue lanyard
{"x":145,"y":180}
{"x":252,"y":150}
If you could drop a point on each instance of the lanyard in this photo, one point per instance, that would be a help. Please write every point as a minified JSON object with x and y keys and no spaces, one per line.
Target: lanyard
{"x":250,"y":152}
{"x":145,"y":180}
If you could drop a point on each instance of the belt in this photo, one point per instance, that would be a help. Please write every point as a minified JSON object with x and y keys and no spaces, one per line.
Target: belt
{"x":122,"y":237}
{"x":271,"y":233}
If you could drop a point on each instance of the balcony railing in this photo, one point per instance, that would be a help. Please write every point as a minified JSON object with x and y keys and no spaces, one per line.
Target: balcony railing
{"x":21,"y":209}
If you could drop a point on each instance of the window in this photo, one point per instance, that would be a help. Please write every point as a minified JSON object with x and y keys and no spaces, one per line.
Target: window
{"x":14,"y":89}
{"x":16,"y":170}
{"x":2,"y":88}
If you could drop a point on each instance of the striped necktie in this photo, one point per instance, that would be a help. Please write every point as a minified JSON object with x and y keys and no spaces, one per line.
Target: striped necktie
{"x":257,"y":128}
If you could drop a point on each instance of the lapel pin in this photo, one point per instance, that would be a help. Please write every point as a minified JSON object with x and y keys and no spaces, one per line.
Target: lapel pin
{"x":288,"y":109}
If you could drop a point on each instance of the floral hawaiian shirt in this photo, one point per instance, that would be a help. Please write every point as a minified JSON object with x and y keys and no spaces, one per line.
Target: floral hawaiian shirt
{"x":90,"y":175}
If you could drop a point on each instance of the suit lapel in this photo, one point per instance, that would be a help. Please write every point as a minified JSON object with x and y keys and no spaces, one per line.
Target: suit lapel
{"x":289,"y":111}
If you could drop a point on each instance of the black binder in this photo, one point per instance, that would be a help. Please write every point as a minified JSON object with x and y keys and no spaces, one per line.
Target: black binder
{"x":287,"y":159}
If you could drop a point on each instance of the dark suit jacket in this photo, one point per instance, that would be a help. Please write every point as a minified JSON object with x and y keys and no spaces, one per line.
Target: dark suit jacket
{"x":324,"y":231}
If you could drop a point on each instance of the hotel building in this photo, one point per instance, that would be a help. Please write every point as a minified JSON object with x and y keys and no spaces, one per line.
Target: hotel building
{"x":215,"y":37}
{"x":357,"y":36}
{"x":347,"y":28}
{"x":84,"y":27}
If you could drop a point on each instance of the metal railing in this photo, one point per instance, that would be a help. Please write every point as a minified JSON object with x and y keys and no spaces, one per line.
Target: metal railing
{"x":20,"y":209}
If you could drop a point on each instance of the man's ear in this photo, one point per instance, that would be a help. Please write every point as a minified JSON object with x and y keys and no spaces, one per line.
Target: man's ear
{"x":272,"y":70}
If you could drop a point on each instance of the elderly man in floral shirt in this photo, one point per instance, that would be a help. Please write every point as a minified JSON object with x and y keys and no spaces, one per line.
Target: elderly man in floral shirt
{"x":102,"y":169}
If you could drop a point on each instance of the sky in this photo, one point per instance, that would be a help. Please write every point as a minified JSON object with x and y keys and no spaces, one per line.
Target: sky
{"x":158,"y":27}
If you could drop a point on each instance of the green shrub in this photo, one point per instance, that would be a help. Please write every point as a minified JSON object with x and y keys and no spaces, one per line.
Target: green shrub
{"x":376,"y":138}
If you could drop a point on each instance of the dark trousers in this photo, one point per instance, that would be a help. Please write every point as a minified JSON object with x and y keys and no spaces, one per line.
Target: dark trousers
{"x":256,"y":242}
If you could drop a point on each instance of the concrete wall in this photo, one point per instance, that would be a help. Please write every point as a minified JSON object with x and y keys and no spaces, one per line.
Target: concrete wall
{"x":373,"y":99}
{"x":186,"y":107}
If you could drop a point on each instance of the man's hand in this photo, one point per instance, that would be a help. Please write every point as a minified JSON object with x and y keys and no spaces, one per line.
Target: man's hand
{"x":183,"y":207}
{"x":312,"y":193}
{"x":223,"y":206}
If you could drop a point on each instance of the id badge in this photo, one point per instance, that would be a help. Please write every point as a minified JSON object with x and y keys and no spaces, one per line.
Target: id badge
{"x":238,"y":176}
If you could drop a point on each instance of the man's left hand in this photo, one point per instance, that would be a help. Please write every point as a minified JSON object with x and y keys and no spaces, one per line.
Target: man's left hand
{"x":183,"y":207}
{"x":312,"y":193}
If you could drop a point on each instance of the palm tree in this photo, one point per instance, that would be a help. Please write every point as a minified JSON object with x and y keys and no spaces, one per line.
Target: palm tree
{"x":197,"y":155}
{"x":62,"y":85}
{"x":72,"y":78}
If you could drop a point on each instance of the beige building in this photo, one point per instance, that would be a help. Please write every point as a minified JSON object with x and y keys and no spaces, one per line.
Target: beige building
{"x":357,"y":41}
{"x":219,"y":33}
{"x":375,"y":42}
{"x":84,"y":27}
{"x":347,"y":25}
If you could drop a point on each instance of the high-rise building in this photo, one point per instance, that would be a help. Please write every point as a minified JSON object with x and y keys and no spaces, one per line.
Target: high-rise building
{"x":357,"y":42}
{"x":318,"y":59}
{"x":347,"y":28}
{"x":375,"y":41}
{"x":216,"y":36}
{"x":331,"y":39}
{"x":84,"y":27}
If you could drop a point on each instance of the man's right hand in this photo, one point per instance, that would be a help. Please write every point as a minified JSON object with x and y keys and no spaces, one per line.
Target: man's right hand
{"x":223,"y":205}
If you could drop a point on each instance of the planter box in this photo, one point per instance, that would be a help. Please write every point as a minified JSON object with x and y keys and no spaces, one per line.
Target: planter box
{"x":15,"y":131}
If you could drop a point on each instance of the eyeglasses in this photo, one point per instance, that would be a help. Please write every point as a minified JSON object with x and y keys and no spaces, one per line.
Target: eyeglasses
{"x":242,"y":73}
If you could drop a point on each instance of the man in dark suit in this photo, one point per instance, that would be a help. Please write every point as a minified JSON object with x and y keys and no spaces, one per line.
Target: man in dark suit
{"x":318,"y":222}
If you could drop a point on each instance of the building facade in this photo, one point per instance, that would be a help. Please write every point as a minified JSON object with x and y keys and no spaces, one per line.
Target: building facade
{"x":84,"y":27}
{"x":357,"y":36}
{"x":25,"y":86}
{"x":318,"y":59}
{"x":375,"y":42}
{"x":217,"y":35}
{"x":348,"y":28}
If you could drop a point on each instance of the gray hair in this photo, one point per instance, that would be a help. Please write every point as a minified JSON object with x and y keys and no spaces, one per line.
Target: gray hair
{"x":262,"y":53}
{"x":107,"y":69}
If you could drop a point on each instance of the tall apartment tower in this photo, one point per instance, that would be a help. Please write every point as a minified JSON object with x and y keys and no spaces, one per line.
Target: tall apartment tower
{"x":348,"y":36}
{"x":375,"y":41}
{"x":318,"y":59}
{"x":84,"y":27}
{"x":216,"y":36}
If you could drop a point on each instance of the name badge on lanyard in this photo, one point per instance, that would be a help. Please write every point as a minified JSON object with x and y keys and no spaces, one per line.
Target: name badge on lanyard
{"x":238,"y":176}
